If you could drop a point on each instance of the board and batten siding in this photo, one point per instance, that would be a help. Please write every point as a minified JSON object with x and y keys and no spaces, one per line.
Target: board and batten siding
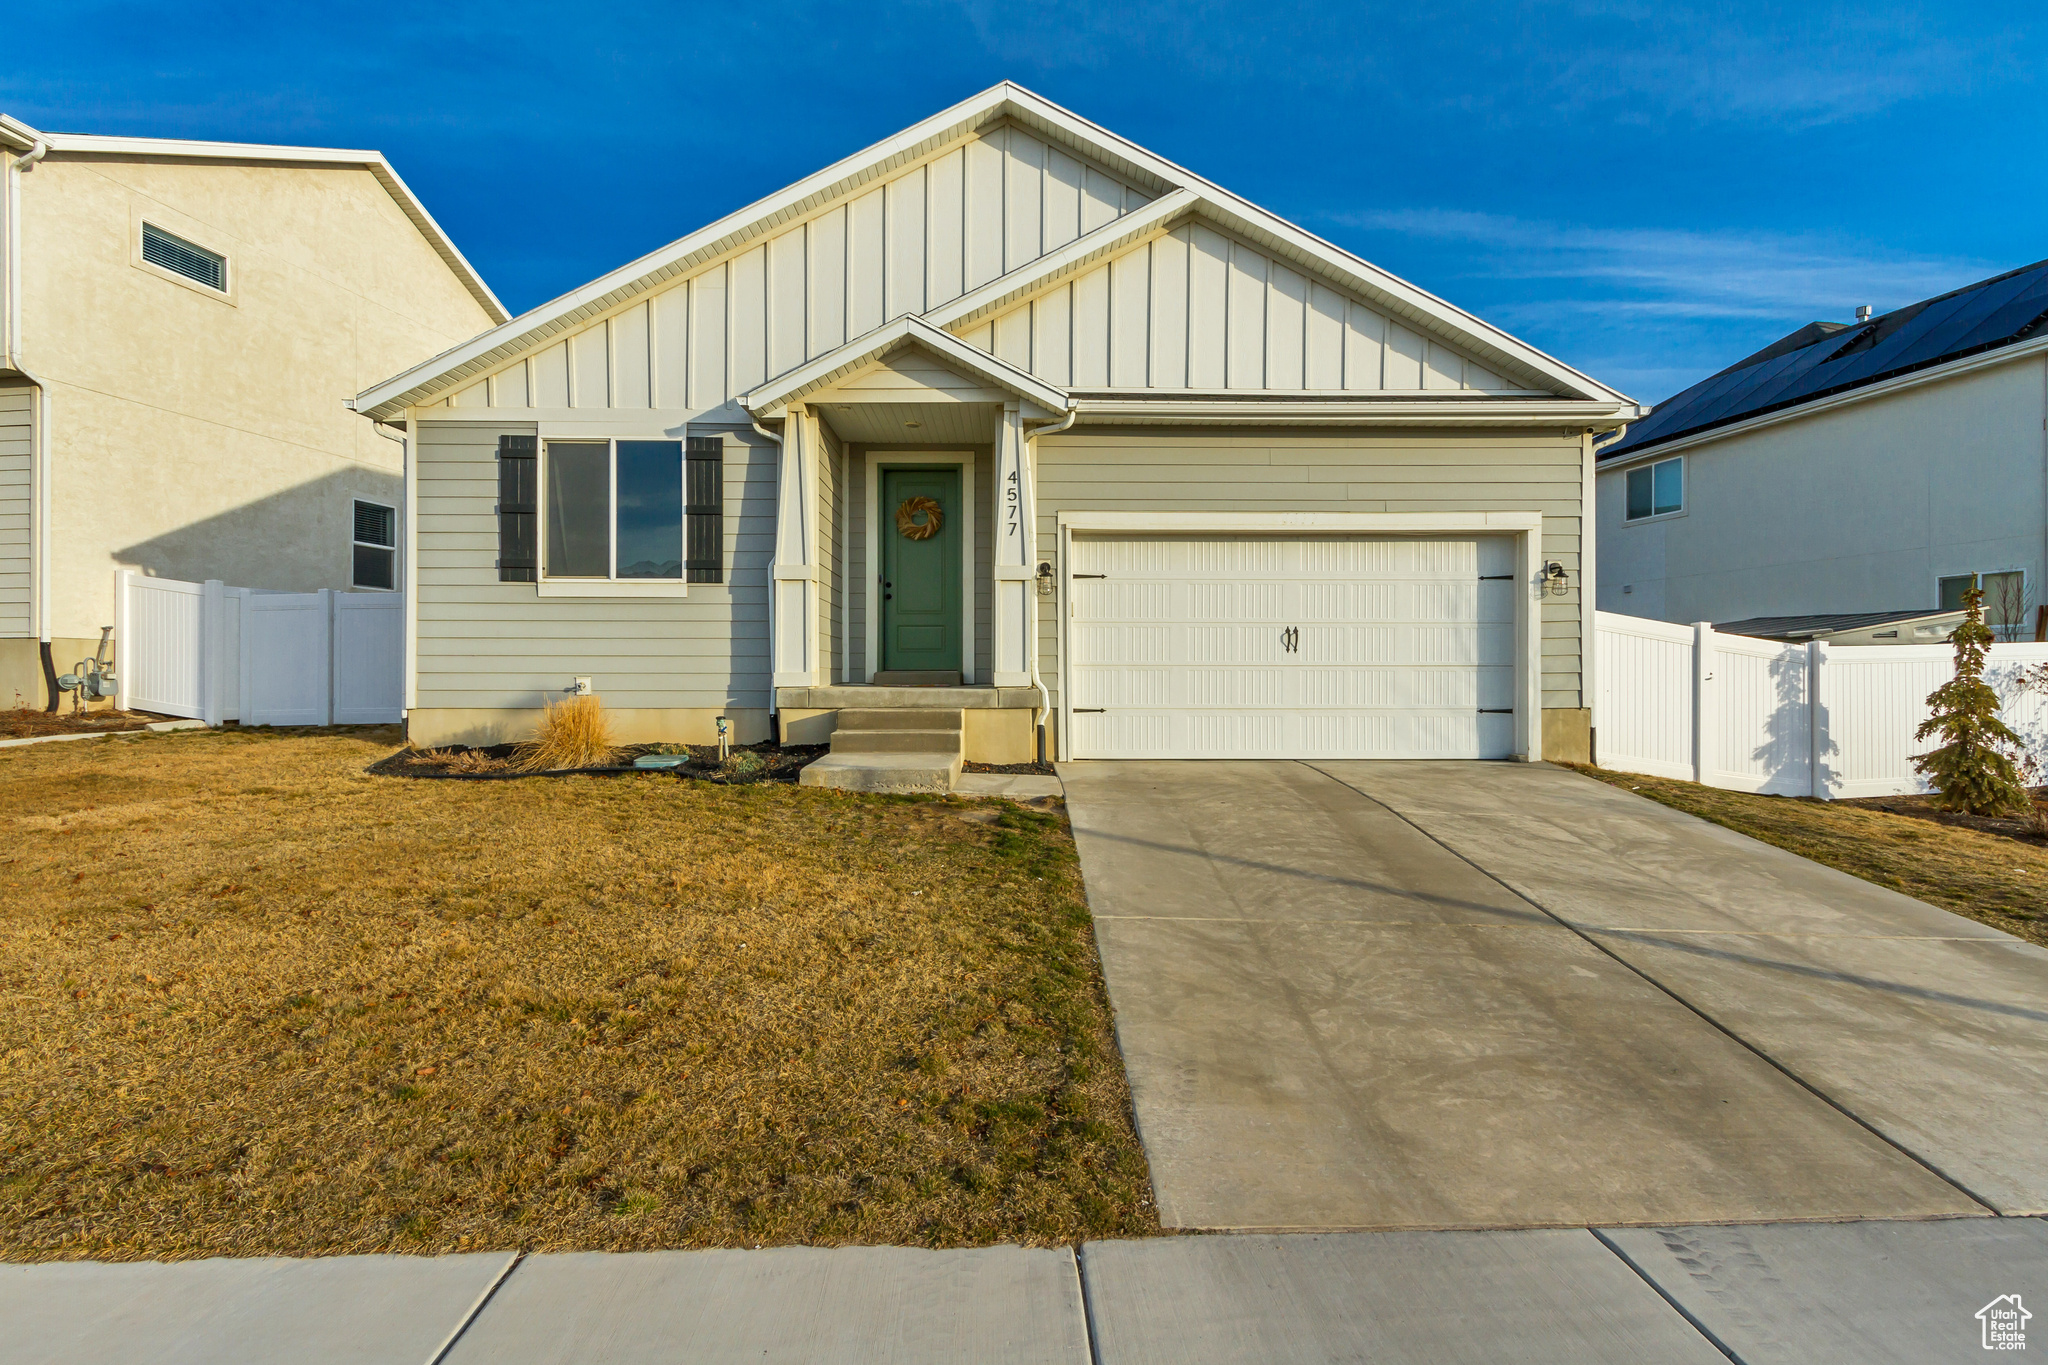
{"x":989,"y":205}
{"x":1195,"y":309}
{"x":488,"y":645}
{"x":17,"y":509}
{"x":1126,"y":470}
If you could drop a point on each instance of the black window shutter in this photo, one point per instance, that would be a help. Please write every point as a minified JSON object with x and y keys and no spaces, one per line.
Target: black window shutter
{"x":518,"y":509}
{"x":704,"y":510}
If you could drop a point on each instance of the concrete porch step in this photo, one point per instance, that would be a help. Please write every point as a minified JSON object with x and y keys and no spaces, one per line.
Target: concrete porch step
{"x":864,"y":696}
{"x":872,"y":772}
{"x":915,"y":677}
{"x":862,"y":718}
{"x":846,"y":741}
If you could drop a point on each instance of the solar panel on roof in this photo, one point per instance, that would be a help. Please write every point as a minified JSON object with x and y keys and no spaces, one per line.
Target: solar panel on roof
{"x":1994,"y":312}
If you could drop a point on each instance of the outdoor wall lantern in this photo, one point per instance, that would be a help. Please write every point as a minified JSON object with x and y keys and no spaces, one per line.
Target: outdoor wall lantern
{"x":1045,"y":579}
{"x":1555,"y":581}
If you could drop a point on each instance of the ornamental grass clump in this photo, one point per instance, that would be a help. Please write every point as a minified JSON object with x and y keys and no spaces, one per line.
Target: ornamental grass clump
{"x":574,"y":733}
{"x":1973,"y":769}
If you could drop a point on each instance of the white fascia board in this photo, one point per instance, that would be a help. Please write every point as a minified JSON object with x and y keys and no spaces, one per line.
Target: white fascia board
{"x":1984,"y":360}
{"x":374,"y":162}
{"x":770,"y":399}
{"x":529,"y":328}
{"x":1464,"y":410}
{"x":1453,"y":322}
{"x":461,"y":363}
{"x":16,"y":134}
{"x":1391,"y":523}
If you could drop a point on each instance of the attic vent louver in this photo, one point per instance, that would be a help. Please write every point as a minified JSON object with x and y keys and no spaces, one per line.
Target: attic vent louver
{"x":181,"y":257}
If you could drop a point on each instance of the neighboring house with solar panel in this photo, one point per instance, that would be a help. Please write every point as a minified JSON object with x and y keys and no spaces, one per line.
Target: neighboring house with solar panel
{"x":1880,"y":467}
{"x":180,"y":326}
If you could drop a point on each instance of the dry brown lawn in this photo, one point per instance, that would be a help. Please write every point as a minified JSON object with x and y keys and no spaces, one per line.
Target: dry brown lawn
{"x":1999,"y":879}
{"x":255,"y":1000}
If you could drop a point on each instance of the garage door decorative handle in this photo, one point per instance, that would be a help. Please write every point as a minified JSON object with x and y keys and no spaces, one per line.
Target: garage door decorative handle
{"x":1290,"y":639}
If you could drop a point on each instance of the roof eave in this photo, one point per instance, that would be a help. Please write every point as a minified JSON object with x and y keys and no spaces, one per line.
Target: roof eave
{"x":770,"y":400}
{"x":1665,"y":447}
{"x":90,"y":144}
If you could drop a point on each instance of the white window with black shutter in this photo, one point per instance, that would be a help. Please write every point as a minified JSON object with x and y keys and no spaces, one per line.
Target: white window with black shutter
{"x":374,"y":546}
{"x":583,"y":517}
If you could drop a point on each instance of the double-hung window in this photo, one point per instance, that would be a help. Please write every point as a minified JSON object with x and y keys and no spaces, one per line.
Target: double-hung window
{"x":1656,"y":490}
{"x":375,"y":546}
{"x":613,"y":511}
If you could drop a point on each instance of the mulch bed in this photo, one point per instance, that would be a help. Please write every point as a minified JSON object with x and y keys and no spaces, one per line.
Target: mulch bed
{"x":1012,"y":769}
{"x":745,"y":765}
{"x":23,"y":722}
{"x":1925,"y":808}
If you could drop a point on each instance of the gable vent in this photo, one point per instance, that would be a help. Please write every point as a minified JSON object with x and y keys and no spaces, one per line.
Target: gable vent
{"x":184,"y":258}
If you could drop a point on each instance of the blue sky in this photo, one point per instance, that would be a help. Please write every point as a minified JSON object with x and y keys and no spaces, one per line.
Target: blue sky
{"x":1646,"y":191}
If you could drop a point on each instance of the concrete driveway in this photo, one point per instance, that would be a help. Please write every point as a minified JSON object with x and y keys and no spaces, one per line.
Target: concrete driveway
{"x":1359,"y":995}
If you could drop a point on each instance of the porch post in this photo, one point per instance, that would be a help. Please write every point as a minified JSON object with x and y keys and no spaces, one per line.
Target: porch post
{"x":796,"y":553}
{"x":1014,"y":610}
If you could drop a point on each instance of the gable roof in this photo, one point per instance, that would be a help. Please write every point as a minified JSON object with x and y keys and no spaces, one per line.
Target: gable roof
{"x":771,"y":398}
{"x":1181,"y":192}
{"x":1824,"y":359}
{"x":16,"y":134}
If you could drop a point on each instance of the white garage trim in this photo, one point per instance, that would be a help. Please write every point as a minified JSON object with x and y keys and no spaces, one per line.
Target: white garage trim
{"x":1526,"y":529}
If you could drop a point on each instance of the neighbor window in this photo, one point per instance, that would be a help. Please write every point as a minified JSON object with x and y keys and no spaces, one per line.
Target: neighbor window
{"x":2005,"y":598}
{"x":181,"y":257}
{"x":376,"y":546}
{"x":614,"y":509}
{"x":1655,"y":490}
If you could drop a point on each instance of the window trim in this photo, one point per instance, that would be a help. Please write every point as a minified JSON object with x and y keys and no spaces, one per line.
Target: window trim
{"x":397,"y":582}
{"x":1684,"y":488}
{"x":2027,"y":586}
{"x":175,"y":225}
{"x":613,"y":586}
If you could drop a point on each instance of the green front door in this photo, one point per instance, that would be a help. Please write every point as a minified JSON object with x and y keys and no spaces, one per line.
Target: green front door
{"x":920,"y":568}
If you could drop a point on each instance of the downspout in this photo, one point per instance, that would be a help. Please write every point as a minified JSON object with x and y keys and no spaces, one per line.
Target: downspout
{"x":1589,"y":648}
{"x":1044,"y":696}
{"x":39,"y":449}
{"x":410,"y":700}
{"x":774,"y":716}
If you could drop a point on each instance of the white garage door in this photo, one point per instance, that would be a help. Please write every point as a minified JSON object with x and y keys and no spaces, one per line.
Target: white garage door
{"x":1292,"y":647}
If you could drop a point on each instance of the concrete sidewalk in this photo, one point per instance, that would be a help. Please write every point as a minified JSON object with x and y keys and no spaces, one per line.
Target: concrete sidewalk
{"x":1870,"y":1293}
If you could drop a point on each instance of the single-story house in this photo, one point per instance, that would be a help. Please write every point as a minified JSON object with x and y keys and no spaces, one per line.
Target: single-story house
{"x":181,"y":326}
{"x":1888,"y":464}
{"x":1008,"y":416}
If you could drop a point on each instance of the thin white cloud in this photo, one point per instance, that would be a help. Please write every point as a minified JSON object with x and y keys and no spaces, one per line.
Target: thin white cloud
{"x":1677,"y":273}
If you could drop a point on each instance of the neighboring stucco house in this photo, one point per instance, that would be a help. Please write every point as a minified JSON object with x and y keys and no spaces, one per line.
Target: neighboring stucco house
{"x":181,"y":325}
{"x":1009,"y":416}
{"x":1881,"y":466}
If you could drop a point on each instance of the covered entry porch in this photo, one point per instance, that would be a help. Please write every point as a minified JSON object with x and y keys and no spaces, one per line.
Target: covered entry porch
{"x":905,"y":573}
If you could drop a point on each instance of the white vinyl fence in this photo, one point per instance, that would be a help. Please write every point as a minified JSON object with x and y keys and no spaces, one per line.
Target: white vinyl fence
{"x":217,"y":653}
{"x":1793,"y":720}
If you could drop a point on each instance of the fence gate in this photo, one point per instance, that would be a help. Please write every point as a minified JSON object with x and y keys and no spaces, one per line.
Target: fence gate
{"x":217,"y":653}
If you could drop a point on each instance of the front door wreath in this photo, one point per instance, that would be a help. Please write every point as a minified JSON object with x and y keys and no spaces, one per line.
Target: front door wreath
{"x":907,"y":523}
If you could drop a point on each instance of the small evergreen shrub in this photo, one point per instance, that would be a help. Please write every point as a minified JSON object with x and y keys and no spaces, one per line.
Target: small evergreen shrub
{"x":1973,"y":769}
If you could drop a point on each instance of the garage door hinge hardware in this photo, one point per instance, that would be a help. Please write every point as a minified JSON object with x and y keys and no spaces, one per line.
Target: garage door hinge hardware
{"x":1496,"y":578}
{"x":1088,"y":575}
{"x":1496,"y":710}
{"x":1090,"y":710}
